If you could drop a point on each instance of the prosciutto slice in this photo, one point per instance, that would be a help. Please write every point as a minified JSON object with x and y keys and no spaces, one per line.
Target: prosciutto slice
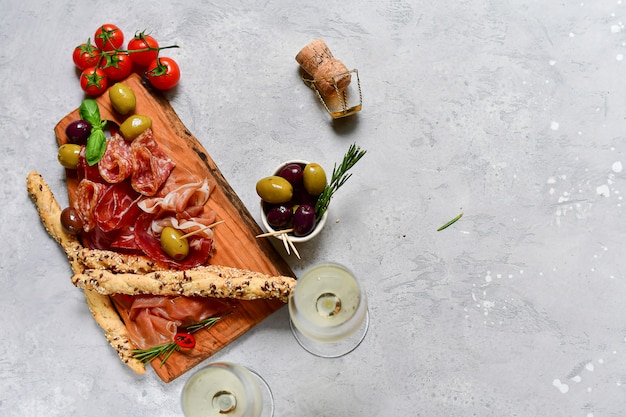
{"x":151,"y":166}
{"x":117,"y":208}
{"x":155,"y":320}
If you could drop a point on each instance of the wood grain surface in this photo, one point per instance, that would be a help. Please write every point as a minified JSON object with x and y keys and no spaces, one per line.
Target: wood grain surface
{"x":236,"y":242}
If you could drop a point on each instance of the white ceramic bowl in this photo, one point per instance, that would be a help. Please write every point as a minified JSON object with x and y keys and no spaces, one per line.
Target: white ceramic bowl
{"x":295,"y":239}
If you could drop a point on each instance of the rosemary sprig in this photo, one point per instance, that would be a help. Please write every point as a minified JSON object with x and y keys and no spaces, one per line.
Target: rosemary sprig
{"x":166,"y":350}
{"x":204,"y":324}
{"x":147,"y":355}
{"x":450,"y":223}
{"x":339,"y":177}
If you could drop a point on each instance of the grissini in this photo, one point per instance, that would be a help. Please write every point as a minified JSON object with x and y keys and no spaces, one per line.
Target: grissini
{"x":207,"y":281}
{"x":100,"y":306}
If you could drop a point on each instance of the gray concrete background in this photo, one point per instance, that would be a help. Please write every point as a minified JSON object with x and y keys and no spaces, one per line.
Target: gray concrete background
{"x":512,"y":112}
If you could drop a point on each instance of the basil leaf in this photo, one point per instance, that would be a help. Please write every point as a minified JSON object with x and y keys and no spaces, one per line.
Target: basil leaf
{"x":96,"y":145}
{"x":90,"y":112}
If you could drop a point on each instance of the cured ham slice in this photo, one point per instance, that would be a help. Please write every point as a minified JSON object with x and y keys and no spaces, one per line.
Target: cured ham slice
{"x":117,"y":207}
{"x":151,"y":166}
{"x":155,"y":320}
{"x":182,"y":198}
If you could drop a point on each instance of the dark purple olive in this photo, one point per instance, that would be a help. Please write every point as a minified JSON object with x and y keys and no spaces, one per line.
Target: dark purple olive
{"x":78,"y":131}
{"x":280,"y":216}
{"x":301,"y":196}
{"x":70,"y":221}
{"x":292,"y":173}
{"x":303,"y":220}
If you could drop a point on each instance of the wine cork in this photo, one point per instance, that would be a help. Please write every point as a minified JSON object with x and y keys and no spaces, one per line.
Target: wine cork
{"x":317,"y":61}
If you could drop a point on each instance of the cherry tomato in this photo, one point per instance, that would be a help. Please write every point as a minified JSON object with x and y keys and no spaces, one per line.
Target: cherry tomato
{"x":117,"y":65}
{"x":93,"y":81}
{"x":86,"y":55}
{"x":141,"y":41}
{"x":185,"y":340}
{"x":109,"y":37}
{"x":163,"y":73}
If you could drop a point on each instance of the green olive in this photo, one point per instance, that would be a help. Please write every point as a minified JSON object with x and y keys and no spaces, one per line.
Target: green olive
{"x":314,"y":178}
{"x":134,"y":126}
{"x":68,"y":155}
{"x":274,"y":189}
{"x":122,"y":98}
{"x":173,"y":245}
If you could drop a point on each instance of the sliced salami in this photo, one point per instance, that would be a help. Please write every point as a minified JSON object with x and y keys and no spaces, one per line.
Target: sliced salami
{"x":151,"y":166}
{"x":116,"y":164}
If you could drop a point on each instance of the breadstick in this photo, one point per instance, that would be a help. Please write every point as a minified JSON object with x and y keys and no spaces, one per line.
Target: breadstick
{"x":116,"y":262}
{"x":208,"y":281}
{"x":105,"y":314}
{"x":100,"y":306}
{"x":50,"y":214}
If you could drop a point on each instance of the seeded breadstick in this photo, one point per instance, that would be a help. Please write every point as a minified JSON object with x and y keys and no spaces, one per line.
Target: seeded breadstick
{"x":208,"y":281}
{"x":100,"y":306}
{"x":116,"y":262}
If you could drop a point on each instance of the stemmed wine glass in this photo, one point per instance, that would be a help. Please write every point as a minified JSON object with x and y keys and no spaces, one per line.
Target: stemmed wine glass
{"x":328,"y":311}
{"x":225,"y":389}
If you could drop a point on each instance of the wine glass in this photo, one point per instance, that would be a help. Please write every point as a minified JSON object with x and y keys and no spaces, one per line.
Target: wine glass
{"x":226,"y":389}
{"x":328,"y":311}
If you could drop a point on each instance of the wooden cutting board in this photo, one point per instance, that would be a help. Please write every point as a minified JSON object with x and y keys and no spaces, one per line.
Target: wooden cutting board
{"x":236,"y":242}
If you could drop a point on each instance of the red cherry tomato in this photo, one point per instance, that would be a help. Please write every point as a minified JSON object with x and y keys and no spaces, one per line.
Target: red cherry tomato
{"x":86,"y":55}
{"x":163,"y":73}
{"x":117,"y":65}
{"x":141,"y":42}
{"x":185,"y":340}
{"x":109,"y":37}
{"x":93,"y":81}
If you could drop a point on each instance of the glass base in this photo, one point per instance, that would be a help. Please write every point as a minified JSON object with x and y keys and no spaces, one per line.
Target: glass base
{"x":332,"y":349}
{"x":214,"y":389}
{"x":266,"y":392}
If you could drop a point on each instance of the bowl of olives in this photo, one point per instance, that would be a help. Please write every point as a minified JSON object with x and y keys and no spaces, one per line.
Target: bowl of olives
{"x":288,"y":200}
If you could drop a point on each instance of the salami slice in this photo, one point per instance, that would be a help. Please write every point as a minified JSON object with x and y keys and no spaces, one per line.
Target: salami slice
{"x":151,"y":166}
{"x":116,"y":164}
{"x":88,"y":195}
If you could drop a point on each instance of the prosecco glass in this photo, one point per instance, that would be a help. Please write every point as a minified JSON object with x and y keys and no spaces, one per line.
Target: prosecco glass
{"x":225,"y":389}
{"x":328,"y":311}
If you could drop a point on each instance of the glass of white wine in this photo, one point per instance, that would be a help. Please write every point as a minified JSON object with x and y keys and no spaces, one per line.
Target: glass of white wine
{"x":225,"y":389}
{"x":328,"y":311}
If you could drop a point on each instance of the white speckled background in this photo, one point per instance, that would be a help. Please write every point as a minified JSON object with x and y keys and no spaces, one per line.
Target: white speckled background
{"x":511,"y":111}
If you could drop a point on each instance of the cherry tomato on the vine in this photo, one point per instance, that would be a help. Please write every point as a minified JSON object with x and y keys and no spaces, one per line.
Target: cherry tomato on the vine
{"x":116,"y":65}
{"x":142,"y":42}
{"x":185,"y":340}
{"x":93,"y":81}
{"x":109,"y":37}
{"x":163,"y":73}
{"x":85,"y":55}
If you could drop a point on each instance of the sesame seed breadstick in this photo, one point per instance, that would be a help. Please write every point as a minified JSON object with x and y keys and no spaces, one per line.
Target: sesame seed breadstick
{"x":116,"y":262}
{"x":207,"y":281}
{"x":100,"y":306}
